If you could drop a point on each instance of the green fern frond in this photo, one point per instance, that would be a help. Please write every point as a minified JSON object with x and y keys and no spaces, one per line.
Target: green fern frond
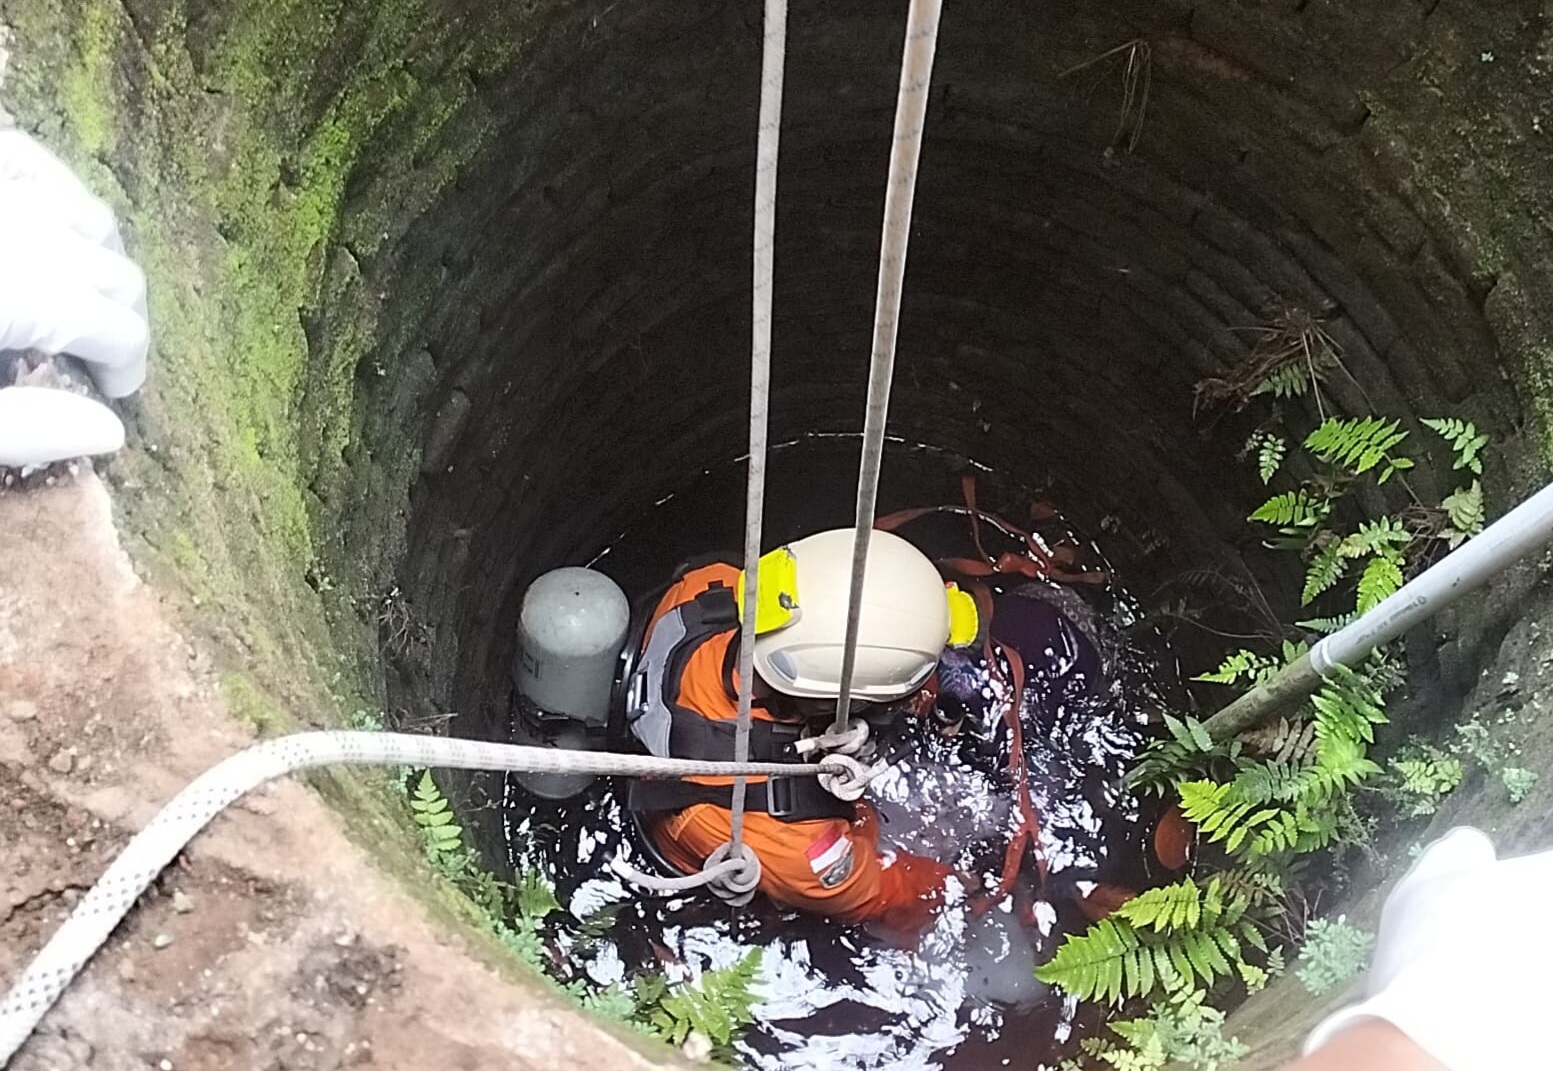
{"x":1292,"y":509}
{"x":1241,"y":663}
{"x":1188,"y":750}
{"x":1325,"y":569}
{"x":1190,"y":733}
{"x":1383,"y":537}
{"x":1381,"y":579}
{"x":535,"y":897}
{"x":718,"y":1005}
{"x":1466,"y":441}
{"x":1289,"y":381}
{"x":430,"y":810}
{"x":1464,"y":507}
{"x":1177,"y":906}
{"x":1268,"y":782}
{"x":1348,"y":704}
{"x":1327,"y":625}
{"x":1270,"y":451}
{"x":1359,"y":444}
{"x":1191,"y":933}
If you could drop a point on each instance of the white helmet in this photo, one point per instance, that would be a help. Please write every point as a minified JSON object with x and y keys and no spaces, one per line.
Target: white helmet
{"x":902,"y":630}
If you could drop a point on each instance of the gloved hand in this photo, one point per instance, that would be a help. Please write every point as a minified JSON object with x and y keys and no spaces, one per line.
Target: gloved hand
{"x":65,"y":287}
{"x":1461,"y":958}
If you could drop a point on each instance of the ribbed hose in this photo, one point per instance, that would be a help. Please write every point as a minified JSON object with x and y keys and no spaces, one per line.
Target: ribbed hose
{"x":910,"y":116}
{"x":149,"y":851}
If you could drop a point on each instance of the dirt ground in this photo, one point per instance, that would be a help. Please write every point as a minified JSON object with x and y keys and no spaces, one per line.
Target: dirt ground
{"x":274,"y":943}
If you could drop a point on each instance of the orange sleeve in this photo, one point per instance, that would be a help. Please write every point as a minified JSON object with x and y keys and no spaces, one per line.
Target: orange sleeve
{"x":828,"y":866}
{"x":898,"y":890}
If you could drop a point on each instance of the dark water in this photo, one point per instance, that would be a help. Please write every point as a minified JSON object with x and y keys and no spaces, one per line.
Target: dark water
{"x":964,"y":996}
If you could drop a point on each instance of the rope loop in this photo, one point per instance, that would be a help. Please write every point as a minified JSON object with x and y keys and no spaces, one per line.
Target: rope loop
{"x":734,"y":886}
{"x":851,"y":781}
{"x":853,"y":741}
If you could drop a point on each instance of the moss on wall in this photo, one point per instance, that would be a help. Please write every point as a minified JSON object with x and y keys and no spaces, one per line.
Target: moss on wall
{"x":228,"y":140}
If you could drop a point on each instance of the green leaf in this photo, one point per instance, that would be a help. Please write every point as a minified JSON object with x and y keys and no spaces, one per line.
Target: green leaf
{"x":1270,"y":450}
{"x":1324,"y":570}
{"x":1381,"y":537}
{"x":1328,"y":625}
{"x":1357,"y":445}
{"x":1464,"y":507}
{"x":1290,"y":381}
{"x":1382,"y":578}
{"x":1293,"y":509}
{"x":1242,"y":663}
{"x":1466,"y":441}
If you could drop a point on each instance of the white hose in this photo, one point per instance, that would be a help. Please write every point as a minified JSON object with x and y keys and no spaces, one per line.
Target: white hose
{"x":175,"y":825}
{"x":1467,"y":568}
{"x":905,"y":152}
{"x":1462,"y":571}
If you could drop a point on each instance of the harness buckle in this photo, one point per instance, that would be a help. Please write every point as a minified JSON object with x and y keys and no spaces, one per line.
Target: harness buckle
{"x":781,"y":799}
{"x":636,"y":694}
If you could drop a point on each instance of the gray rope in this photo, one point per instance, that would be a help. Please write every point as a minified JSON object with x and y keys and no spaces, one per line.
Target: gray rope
{"x":176,"y":824}
{"x":766,"y":150}
{"x":910,"y":116}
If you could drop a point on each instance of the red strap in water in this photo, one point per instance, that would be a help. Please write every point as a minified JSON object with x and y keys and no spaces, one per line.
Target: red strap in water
{"x":968,"y":490}
{"x":1042,"y":564}
{"x":1027,"y":821}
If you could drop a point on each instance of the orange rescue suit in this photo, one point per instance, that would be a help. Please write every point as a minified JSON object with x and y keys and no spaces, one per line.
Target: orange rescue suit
{"x":827,"y":866}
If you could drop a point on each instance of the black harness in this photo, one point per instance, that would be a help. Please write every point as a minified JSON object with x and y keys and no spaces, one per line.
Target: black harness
{"x":670,"y":730}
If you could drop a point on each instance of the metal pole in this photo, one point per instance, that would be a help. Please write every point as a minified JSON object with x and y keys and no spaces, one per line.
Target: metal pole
{"x":1467,"y":568}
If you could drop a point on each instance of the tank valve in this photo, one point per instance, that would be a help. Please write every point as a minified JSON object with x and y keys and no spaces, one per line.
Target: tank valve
{"x":571,"y":629}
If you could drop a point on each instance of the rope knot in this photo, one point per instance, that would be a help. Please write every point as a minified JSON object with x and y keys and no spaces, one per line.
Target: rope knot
{"x":846,"y":778}
{"x":738,"y":876}
{"x":853,"y":740}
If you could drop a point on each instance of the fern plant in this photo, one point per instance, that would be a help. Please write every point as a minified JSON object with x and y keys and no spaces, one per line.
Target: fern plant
{"x":1269,"y":450}
{"x":1334,"y":952}
{"x":718,"y":1005}
{"x":1518,"y":782}
{"x":1158,"y":942}
{"x":1466,"y":441}
{"x":1289,"y":381}
{"x":1293,"y":510}
{"x":1280,"y":806}
{"x":1420,"y":780}
{"x":1250,"y":666}
{"x":1464,"y":509}
{"x":1179,"y":1032}
{"x":1358,"y":445}
{"x":1187,"y":751}
{"x":430,"y":810}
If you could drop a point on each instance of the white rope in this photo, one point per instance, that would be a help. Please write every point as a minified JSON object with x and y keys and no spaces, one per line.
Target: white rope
{"x":767,"y":140}
{"x":175,"y":825}
{"x":910,"y":116}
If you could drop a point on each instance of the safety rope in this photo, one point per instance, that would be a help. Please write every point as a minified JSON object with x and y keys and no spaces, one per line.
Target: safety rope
{"x":905,"y":152}
{"x":176,"y":824}
{"x":767,"y":142}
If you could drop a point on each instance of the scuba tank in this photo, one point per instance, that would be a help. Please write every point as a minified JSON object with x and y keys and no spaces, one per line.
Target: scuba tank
{"x":571,"y":631}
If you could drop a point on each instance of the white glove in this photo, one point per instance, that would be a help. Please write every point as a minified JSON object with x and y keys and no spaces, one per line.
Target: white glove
{"x":65,"y":287}
{"x":1461,"y":957}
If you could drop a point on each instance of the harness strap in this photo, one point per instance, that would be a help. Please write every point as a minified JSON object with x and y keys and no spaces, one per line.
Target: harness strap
{"x":787,"y":799}
{"x":693,"y":737}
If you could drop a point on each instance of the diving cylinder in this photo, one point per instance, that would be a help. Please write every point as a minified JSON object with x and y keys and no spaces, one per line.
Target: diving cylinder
{"x":571,"y":628}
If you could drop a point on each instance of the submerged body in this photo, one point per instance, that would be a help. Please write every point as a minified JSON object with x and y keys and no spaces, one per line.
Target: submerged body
{"x":833,"y":865}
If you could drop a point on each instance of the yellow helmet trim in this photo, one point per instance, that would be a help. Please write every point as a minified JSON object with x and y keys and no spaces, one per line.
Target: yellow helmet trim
{"x":776,"y":598}
{"x":964,"y":621}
